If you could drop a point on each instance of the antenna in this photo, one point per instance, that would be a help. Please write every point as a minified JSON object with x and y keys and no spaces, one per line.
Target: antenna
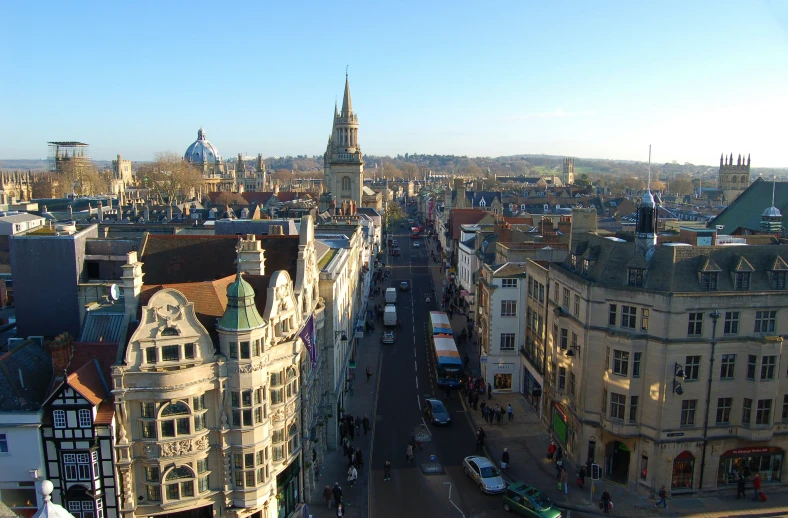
{"x":774,"y":187}
{"x":649,"y":168}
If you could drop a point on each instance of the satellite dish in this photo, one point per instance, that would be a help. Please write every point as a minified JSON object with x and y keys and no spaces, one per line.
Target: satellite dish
{"x":114,"y":292}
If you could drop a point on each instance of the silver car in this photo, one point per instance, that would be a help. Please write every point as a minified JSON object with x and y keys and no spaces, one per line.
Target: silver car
{"x":484,"y":473}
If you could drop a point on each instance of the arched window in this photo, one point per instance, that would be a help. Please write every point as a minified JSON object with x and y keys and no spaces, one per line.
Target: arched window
{"x":175,"y":420}
{"x":179,"y":483}
{"x":744,"y":180}
{"x":345,"y":183}
{"x":292,"y":382}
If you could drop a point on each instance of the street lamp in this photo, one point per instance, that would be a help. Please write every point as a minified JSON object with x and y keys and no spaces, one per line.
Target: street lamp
{"x":715,"y":315}
{"x":678,"y":372}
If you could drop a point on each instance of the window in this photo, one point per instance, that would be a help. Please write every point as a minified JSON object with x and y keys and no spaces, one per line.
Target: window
{"x":644,"y":319}
{"x":643,"y":466}
{"x":742,"y":281}
{"x":692,"y":368}
{"x":188,"y":351}
{"x":345,"y":183}
{"x":179,"y":483}
{"x":617,"y":404}
{"x":607,"y":358}
{"x":785,"y":407}
{"x":688,"y":412}
{"x":620,"y":362}
{"x":148,"y":429}
{"x":629,"y":315}
{"x":508,"y":308}
{"x":746,"y":411}
{"x":150,"y":354}
{"x":245,"y":350}
{"x":247,"y":408}
{"x":731,"y":326}
{"x":232,"y":348}
{"x":633,"y":408}
{"x":574,"y":342}
{"x":564,"y":338}
{"x":767,"y":367}
{"x":763,"y":415}
{"x":84,"y":418}
{"x":724,"y":405}
{"x":151,"y":473}
{"x":507,"y":341}
{"x":86,"y":508}
{"x":778,"y":280}
{"x":708,"y":281}
{"x":611,"y":315}
{"x":3,"y":443}
{"x":586,"y":265}
{"x":77,"y":466}
{"x":169,"y":353}
{"x":508,"y":283}
{"x":175,"y":420}
{"x":154,"y":493}
{"x":561,"y":378}
{"x":148,"y":409}
{"x":695,"y":324}
{"x":727,"y":366}
{"x":764,"y":321}
{"x":635,"y":277}
{"x":565,"y":300}
{"x":59,"y":418}
{"x":572,"y":384}
{"x":556,"y":291}
{"x":636,"y":365}
{"x":577,"y":305}
{"x":604,"y":401}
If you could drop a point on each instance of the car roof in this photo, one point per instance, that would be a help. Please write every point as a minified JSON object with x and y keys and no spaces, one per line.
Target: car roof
{"x":434,"y":400}
{"x":482,"y":462}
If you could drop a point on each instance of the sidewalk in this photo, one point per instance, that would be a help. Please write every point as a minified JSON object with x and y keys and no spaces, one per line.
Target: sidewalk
{"x":527,"y":441}
{"x":361,"y":403}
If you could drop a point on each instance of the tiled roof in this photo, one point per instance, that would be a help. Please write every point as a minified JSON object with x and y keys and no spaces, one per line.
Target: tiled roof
{"x":105,"y":413}
{"x":34,"y":365}
{"x":89,"y":382}
{"x":102,"y":327}
{"x":459,"y":217}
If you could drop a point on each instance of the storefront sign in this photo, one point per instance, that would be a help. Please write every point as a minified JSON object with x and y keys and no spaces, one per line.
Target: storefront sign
{"x":676,"y":434}
{"x":753,"y":450}
{"x":559,"y":423}
{"x":503,"y":367}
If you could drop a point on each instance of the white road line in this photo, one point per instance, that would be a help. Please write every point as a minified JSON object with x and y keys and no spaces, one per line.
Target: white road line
{"x":425,"y":426}
{"x":414,"y":352}
{"x":417,"y":383}
{"x":418,"y":400}
{"x":415,"y":366}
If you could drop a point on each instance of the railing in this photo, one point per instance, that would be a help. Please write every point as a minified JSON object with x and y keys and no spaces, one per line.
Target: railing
{"x":348,"y":157}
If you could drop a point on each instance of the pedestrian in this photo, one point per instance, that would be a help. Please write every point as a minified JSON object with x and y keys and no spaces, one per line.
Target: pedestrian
{"x":564,"y":479}
{"x":559,"y":454}
{"x":498,"y":414}
{"x":387,"y":470}
{"x":359,"y":459}
{"x":489,"y":391}
{"x":581,"y":477}
{"x":741,"y":487}
{"x":365,"y":424}
{"x":327,"y":496}
{"x":369,"y":373}
{"x":505,"y":458}
{"x":663,"y":495}
{"x":606,"y":501}
{"x":358,"y":424}
{"x":559,"y":465}
{"x":337,"y":492}
{"x":340,"y":511}
{"x":484,"y":410}
{"x":510,"y":411}
{"x":352,"y":475}
{"x":756,"y":484}
{"x":482,"y":435}
{"x":551,"y":450}
{"x":475,"y":399}
{"x":409,"y":453}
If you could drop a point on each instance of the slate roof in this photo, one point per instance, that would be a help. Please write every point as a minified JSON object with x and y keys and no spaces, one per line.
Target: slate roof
{"x":675,"y":269}
{"x":509,"y":270}
{"x":101,"y":326}
{"x":173,"y":259}
{"x":35,"y":366}
{"x":746,"y":209}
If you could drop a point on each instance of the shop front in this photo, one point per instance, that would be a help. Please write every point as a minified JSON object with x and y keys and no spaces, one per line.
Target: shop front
{"x":559,"y":421}
{"x":503,"y":374}
{"x":532,"y":386}
{"x":287,"y":496}
{"x":766,"y":460}
{"x":683,"y":471}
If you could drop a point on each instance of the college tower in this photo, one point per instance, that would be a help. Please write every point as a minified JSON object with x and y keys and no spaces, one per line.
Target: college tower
{"x":344,"y":164}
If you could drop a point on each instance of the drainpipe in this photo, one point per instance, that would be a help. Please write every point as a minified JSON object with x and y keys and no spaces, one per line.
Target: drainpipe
{"x":715,"y":315}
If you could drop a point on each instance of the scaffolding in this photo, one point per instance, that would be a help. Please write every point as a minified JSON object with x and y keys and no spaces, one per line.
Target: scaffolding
{"x":68,"y":156}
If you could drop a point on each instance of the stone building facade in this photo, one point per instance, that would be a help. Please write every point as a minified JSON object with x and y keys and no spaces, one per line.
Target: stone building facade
{"x":344,"y":163}
{"x":734,"y":178}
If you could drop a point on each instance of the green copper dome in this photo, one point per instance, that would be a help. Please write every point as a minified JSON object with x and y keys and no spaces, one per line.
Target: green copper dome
{"x":241,"y":313}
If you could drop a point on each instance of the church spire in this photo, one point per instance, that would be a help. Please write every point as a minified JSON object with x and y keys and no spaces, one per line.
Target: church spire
{"x":347,"y":104}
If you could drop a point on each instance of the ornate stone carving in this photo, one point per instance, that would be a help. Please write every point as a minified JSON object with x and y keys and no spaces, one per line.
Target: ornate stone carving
{"x":246,"y":369}
{"x":278,"y":416}
{"x":174,"y":448}
{"x":151,"y":451}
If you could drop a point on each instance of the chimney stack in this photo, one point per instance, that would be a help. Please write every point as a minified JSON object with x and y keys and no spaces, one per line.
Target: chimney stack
{"x":251,"y":256}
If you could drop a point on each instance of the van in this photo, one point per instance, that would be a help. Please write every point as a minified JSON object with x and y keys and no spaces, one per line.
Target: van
{"x":390,"y":316}
{"x":391,"y":296}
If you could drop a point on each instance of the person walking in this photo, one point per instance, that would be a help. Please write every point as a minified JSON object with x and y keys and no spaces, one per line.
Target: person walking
{"x":564,"y":479}
{"x":352,"y":475}
{"x":559,"y":466}
{"x":505,"y":458}
{"x":489,"y":391}
{"x":606,"y":501}
{"x":551,"y":450}
{"x":337,"y":492}
{"x":387,"y":470}
{"x":756,"y":484}
{"x":559,"y":454}
{"x":359,"y":459}
{"x":741,"y":487}
{"x":663,"y":498}
{"x":409,"y":453}
{"x":327,"y":496}
{"x":510,"y":412}
{"x":369,"y":373}
{"x":340,"y":511}
{"x":365,"y":424}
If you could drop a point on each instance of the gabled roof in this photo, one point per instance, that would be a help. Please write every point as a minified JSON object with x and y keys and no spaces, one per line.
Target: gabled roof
{"x":779,"y":265}
{"x":25,"y":374}
{"x":89,"y":382}
{"x":742,"y":265}
{"x":708,"y":265}
{"x":745,"y":211}
{"x":459,"y":217}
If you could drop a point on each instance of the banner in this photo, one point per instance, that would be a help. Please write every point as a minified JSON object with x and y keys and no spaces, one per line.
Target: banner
{"x":307,"y":334}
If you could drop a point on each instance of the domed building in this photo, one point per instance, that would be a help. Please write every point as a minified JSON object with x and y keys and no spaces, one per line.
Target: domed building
{"x":206,"y":158}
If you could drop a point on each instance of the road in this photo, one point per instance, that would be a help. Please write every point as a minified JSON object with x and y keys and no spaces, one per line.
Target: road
{"x":406,"y":379}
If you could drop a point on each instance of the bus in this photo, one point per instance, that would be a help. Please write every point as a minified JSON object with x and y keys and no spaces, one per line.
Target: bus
{"x":448,"y":365}
{"x":439,"y":324}
{"x":414,"y":232}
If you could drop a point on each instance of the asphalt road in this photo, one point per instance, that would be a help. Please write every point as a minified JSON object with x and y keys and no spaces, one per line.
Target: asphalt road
{"x":406,"y":379}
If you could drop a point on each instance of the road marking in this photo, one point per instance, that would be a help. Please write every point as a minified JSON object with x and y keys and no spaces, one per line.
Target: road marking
{"x":417,"y":383}
{"x":426,"y":427}
{"x":415,"y":366}
{"x":418,"y":401}
{"x":414,"y":352}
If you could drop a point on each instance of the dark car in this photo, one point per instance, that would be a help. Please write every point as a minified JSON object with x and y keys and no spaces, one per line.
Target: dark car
{"x":436,"y":411}
{"x":403,"y":286}
{"x":528,"y":501}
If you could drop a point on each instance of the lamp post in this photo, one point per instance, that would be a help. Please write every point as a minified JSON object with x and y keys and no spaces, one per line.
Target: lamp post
{"x":715,"y":315}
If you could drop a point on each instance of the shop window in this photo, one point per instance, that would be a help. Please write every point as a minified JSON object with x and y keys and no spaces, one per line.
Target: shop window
{"x":683,"y":468}
{"x":765,"y":460}
{"x":643,"y":467}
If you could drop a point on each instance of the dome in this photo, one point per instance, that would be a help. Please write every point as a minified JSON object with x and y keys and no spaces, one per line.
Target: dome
{"x":772,"y":212}
{"x":201,"y":151}
{"x":648,"y":200}
{"x":240,"y":289}
{"x":241,"y":313}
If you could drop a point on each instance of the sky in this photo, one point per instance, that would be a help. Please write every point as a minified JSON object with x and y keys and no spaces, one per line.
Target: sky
{"x":585,"y":79}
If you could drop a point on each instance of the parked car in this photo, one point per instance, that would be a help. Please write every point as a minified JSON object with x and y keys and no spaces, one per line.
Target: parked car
{"x":403,"y":286}
{"x":436,"y":411}
{"x":416,"y":244}
{"x":388,"y":336}
{"x":484,"y":473}
{"x":528,"y":501}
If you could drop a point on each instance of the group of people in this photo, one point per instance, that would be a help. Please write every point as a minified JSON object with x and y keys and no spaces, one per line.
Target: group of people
{"x":494,"y":414}
{"x":741,"y":487}
{"x":334,"y":494}
{"x":349,"y":427}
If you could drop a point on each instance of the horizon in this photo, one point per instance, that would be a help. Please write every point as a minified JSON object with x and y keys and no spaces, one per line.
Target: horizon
{"x":695,"y":81}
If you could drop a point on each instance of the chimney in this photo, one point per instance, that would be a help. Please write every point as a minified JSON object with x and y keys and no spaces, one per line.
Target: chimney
{"x":147,"y":213}
{"x":100,"y":213}
{"x":132,"y":284}
{"x":251,"y":256}
{"x":169,"y":212}
{"x":275,"y":230}
{"x":61,"y":349}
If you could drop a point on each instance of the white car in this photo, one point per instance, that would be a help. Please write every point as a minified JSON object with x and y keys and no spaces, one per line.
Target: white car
{"x":416,"y":244}
{"x":484,"y":473}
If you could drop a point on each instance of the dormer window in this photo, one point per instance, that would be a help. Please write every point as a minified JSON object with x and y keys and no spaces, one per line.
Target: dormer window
{"x":778,"y":279}
{"x":573,"y":261}
{"x":586,"y":265}
{"x":635,"y":277}
{"x":742,"y":281}
{"x":708,"y":281}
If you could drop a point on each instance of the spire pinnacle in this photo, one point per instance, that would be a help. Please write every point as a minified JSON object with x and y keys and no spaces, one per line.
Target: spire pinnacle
{"x":347,"y":104}
{"x":774,"y":187}
{"x":649,"y":168}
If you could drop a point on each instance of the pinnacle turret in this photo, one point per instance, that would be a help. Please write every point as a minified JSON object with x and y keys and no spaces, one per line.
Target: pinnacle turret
{"x":347,"y":104}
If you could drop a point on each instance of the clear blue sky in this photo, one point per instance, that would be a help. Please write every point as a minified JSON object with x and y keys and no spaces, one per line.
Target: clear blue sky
{"x":590,"y":79}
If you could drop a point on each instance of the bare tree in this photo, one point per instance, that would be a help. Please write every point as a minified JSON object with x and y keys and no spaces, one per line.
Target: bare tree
{"x":170,"y":177}
{"x":230,"y":198}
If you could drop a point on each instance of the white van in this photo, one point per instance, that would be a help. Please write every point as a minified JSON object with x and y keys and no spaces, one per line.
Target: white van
{"x":391,"y":296}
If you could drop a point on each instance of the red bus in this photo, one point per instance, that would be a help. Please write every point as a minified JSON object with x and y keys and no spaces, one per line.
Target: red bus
{"x":414,"y":232}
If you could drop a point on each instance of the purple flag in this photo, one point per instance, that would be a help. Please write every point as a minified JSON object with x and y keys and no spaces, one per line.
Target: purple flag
{"x":307,"y":334}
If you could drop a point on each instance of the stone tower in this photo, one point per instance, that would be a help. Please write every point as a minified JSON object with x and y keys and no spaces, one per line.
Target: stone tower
{"x":734,"y":178}
{"x":344,"y":163}
{"x":568,"y":171}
